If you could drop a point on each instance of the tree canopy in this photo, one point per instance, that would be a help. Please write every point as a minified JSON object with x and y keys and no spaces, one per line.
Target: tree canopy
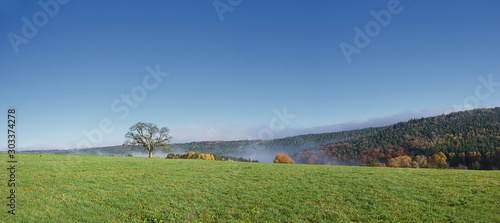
{"x":147,"y":136}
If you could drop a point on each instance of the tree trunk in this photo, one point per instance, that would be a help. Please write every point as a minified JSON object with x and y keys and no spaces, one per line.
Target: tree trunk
{"x":150,"y":153}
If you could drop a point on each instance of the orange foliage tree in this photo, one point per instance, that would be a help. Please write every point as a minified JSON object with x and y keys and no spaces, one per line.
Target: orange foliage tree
{"x":282,"y":158}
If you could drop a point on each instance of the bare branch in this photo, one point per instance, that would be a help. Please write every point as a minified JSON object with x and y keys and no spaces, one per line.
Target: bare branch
{"x":148,"y":136}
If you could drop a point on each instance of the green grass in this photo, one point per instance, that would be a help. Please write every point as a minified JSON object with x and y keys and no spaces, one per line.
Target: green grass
{"x":65,"y":188}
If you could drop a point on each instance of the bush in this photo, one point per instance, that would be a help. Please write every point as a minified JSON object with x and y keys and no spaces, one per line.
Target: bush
{"x":282,"y":158}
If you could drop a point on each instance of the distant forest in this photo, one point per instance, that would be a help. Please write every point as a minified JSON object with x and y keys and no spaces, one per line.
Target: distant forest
{"x":468,"y":139}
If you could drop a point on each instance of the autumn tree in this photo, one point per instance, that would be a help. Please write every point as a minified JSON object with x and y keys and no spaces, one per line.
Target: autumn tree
{"x":421,"y":161}
{"x":402,"y":161}
{"x":442,"y":163}
{"x":147,"y":136}
{"x":282,"y":158}
{"x":438,"y":160}
{"x":206,"y":157}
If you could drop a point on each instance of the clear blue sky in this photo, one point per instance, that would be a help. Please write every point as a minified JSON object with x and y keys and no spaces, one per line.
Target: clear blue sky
{"x":227,"y":78}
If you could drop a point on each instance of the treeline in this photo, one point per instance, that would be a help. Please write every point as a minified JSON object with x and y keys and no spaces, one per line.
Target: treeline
{"x":468,"y":139}
{"x":214,"y":147}
{"x":202,"y":156}
{"x":297,"y":142}
{"x":470,"y":160}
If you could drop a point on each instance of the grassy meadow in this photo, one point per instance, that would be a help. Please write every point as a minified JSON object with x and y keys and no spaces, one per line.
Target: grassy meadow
{"x":69,"y":188}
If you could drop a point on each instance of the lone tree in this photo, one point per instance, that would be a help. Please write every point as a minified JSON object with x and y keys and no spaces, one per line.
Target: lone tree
{"x":147,"y":136}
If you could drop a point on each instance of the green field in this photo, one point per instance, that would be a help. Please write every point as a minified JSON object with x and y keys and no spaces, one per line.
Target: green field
{"x":66,"y":188}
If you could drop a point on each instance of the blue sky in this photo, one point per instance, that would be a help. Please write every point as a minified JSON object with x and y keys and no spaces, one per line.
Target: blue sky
{"x":234,"y":78}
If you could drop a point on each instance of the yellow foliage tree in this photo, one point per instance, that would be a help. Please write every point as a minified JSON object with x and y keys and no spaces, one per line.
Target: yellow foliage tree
{"x":442,"y":161}
{"x":401,"y":161}
{"x":206,"y":157}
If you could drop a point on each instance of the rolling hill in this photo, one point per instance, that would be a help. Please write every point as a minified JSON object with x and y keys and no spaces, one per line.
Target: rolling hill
{"x":467,"y":139}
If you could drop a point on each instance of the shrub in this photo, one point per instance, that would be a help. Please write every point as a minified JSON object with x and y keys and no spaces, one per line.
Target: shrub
{"x":282,"y":158}
{"x":206,"y":157}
